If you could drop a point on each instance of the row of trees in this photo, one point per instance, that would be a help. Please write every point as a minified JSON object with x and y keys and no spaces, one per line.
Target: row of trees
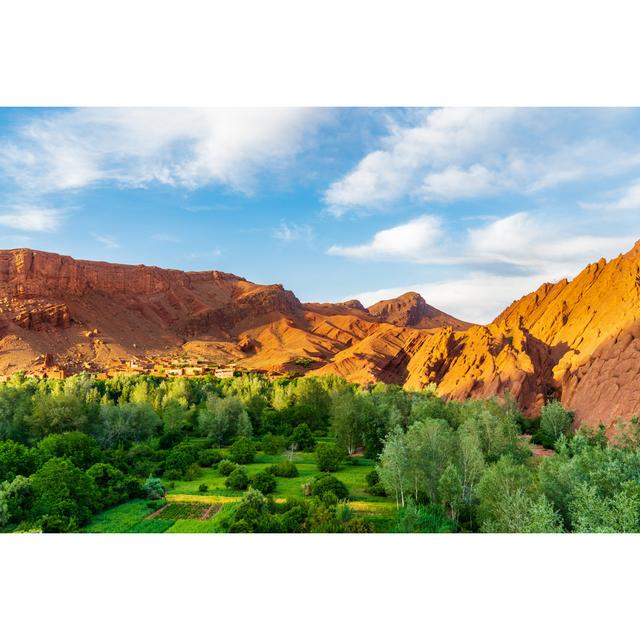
{"x":476,"y":466}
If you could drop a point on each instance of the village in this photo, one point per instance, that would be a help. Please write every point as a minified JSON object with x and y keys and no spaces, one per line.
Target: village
{"x":165,"y":367}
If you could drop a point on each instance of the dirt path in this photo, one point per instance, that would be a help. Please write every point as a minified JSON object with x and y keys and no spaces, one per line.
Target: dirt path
{"x":155,"y":513}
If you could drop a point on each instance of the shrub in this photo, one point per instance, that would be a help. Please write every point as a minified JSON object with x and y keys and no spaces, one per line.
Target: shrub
{"x":153,"y":488}
{"x":172,"y":474}
{"x":372,"y":478}
{"x":273,"y":444}
{"x":242,"y":451}
{"x":328,"y":457}
{"x":326,"y":483}
{"x":303,"y":438}
{"x":209,"y":457}
{"x":555,"y":421}
{"x":264,"y":482}
{"x":377,"y":490}
{"x":192,"y":472}
{"x":203,"y":488}
{"x":238,"y":479}
{"x":358,"y":525}
{"x":170,"y":439}
{"x":284,"y":469}
{"x":226,"y":467}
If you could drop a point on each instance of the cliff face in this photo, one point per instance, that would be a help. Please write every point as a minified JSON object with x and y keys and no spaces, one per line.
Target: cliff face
{"x":578,"y":340}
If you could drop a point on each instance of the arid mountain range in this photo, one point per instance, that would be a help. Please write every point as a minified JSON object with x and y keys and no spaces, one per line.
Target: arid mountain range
{"x":577,"y":340}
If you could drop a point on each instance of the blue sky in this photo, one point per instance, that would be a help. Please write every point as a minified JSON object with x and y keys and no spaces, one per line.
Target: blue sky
{"x":470,"y":207}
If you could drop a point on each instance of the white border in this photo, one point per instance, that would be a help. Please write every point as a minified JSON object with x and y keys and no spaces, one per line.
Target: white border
{"x":292,"y":52}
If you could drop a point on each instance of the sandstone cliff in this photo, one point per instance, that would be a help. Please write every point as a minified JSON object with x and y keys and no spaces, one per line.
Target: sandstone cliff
{"x":578,"y":340}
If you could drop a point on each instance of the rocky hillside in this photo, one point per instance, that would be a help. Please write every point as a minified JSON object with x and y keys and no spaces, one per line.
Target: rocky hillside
{"x":578,"y":340}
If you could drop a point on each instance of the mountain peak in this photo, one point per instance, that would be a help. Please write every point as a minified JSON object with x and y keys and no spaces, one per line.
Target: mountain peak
{"x":411,"y":310}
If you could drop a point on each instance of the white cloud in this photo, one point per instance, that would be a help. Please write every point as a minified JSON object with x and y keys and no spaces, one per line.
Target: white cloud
{"x":630,"y":199}
{"x":108,"y":241}
{"x":31,"y":218}
{"x":453,"y":153}
{"x":511,"y":257}
{"x":478,"y":297}
{"x":625,"y":200}
{"x":412,"y":241}
{"x":455,"y":183}
{"x":443,"y":137}
{"x":134,"y":147}
{"x":290,"y":232}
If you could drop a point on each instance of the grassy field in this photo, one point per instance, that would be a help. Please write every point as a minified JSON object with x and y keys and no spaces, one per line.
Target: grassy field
{"x":190,"y":510}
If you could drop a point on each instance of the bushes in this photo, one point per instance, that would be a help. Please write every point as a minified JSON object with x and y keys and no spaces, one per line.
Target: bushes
{"x":153,"y":489}
{"x":419,"y":519}
{"x":209,"y":457}
{"x":203,"y":488}
{"x":113,"y":486}
{"x":242,"y":451}
{"x":226,"y":467}
{"x":264,"y":482}
{"x":555,"y":421}
{"x":273,"y":444}
{"x":374,"y":486}
{"x":326,"y":483}
{"x":284,"y":469}
{"x":237,"y":479}
{"x":328,"y":457}
{"x":302,"y":438}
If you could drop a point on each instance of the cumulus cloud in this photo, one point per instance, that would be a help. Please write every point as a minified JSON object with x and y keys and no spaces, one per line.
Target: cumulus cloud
{"x":507,"y":258}
{"x":138,"y":146}
{"x":412,"y":241}
{"x":450,"y":153}
{"x":454,"y":183}
{"x":31,"y":218}
{"x":440,"y":138}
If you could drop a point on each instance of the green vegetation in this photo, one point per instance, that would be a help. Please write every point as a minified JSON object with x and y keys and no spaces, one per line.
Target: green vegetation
{"x":246,"y":454}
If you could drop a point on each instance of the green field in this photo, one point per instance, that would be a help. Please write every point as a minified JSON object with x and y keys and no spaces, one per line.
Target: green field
{"x":201,"y":515}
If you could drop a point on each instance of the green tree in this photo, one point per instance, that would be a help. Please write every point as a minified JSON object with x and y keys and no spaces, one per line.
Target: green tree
{"x":328,"y":456}
{"x":124,"y":424}
{"x":56,"y":413}
{"x":450,"y":490}
{"x":302,"y":438}
{"x":430,"y":447}
{"x":113,"y":486}
{"x":264,"y":482}
{"x":508,"y":499}
{"x":153,"y":488}
{"x":347,"y":423}
{"x":79,"y":448}
{"x":65,"y":492}
{"x":15,"y":407}
{"x":555,"y":420}
{"x":242,"y":451}
{"x":394,"y":466}
{"x":593,"y":513}
{"x":237,"y":479}
{"x":16,"y":500}
{"x":16,"y":459}
{"x":471,"y":460}
{"x":224,"y":418}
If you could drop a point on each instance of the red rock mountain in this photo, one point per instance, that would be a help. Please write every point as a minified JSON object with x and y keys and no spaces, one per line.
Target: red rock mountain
{"x":578,"y":340}
{"x":411,"y":310}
